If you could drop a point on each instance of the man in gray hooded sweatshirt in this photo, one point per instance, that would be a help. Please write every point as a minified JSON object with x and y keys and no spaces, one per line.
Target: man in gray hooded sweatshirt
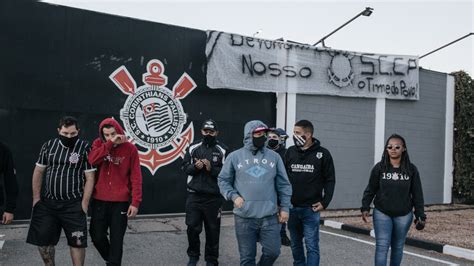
{"x":254,"y":178}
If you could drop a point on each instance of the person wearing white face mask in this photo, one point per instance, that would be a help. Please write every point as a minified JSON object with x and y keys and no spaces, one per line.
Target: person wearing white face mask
{"x":311,"y":172}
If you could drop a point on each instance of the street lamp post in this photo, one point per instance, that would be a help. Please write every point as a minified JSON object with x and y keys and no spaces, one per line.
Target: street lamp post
{"x":257,"y":32}
{"x":366,"y":12}
{"x":446,"y":45}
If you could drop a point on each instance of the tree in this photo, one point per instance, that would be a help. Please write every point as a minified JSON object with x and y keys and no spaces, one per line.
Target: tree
{"x":463,"y":187}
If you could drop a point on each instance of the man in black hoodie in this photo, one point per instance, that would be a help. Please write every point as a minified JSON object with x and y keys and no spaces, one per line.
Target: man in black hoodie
{"x":202,"y":164}
{"x":277,"y":142}
{"x":311,"y":172}
{"x":7,"y":171}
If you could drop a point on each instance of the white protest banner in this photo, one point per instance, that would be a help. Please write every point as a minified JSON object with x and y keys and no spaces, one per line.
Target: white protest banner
{"x":246,"y":63}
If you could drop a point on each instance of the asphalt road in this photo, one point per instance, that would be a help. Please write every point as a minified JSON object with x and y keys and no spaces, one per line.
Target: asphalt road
{"x":163,"y":242}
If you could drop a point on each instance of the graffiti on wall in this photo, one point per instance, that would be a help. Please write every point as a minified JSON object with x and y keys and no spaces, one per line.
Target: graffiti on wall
{"x":248,"y":63}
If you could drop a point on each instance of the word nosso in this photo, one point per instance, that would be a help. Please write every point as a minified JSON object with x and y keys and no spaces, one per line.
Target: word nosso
{"x":273,"y":69}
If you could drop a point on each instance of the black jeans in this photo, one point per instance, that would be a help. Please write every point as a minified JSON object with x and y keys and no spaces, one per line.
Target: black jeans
{"x":204,"y":208}
{"x":109,"y":216}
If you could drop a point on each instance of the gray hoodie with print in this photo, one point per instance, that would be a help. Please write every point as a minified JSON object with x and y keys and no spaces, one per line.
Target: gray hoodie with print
{"x":256,"y":175}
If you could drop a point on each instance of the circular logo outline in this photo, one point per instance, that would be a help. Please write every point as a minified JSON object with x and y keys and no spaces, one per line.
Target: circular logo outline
{"x":133,"y":128}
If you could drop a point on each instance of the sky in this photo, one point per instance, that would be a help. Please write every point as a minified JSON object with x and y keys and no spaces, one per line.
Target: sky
{"x":395,"y":27}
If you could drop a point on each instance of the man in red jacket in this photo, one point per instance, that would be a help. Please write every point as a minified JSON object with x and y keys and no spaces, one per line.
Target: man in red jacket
{"x":119,"y":179}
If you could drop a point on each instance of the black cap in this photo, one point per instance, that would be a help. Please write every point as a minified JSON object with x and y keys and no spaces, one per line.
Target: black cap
{"x":209,"y":124}
{"x":280,"y":132}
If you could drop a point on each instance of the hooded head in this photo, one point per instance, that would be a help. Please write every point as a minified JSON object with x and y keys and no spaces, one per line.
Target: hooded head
{"x":250,"y":128}
{"x":110,"y":122}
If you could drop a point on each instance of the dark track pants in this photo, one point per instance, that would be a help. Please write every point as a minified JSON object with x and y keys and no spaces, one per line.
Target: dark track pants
{"x":204,"y":208}
{"x":109,"y":218}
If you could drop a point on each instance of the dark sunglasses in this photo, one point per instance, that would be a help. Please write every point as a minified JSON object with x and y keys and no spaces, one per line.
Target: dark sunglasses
{"x":396,"y":147}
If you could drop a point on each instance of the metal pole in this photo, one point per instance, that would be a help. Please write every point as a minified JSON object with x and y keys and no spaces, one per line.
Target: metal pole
{"x":465,"y":36}
{"x":340,"y":27}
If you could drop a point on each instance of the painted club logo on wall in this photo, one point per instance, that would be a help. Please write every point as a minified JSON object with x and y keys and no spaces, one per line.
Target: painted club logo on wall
{"x":340,"y":71}
{"x":153,"y":115}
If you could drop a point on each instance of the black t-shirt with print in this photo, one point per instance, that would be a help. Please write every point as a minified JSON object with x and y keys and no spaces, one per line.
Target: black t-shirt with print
{"x":65,"y":167}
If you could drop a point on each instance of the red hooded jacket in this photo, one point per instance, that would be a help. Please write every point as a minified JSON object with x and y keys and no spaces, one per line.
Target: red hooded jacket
{"x":118,"y":166}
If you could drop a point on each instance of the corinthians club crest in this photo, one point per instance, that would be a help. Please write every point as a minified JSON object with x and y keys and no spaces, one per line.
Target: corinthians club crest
{"x":153,"y":115}
{"x":340,"y":71}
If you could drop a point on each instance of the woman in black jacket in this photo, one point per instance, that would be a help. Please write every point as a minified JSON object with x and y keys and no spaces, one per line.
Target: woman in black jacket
{"x":395,"y":184}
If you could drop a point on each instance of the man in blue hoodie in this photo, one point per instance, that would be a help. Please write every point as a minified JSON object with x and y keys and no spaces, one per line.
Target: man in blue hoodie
{"x":254,"y":178}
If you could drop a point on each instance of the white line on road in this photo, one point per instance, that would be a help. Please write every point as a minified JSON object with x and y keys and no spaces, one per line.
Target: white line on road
{"x":373,"y":244}
{"x":1,"y":243}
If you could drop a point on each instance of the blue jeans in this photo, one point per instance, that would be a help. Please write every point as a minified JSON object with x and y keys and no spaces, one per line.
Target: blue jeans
{"x":304,"y":223}
{"x":267,"y":230}
{"x":390,"y":232}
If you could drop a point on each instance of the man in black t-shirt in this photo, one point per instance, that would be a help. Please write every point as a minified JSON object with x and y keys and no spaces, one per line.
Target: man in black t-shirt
{"x":65,"y":198}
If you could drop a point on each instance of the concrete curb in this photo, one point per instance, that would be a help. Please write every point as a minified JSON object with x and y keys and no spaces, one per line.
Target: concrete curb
{"x":424,"y":244}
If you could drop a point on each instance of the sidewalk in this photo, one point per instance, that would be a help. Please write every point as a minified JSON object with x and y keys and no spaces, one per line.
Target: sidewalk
{"x":449,"y":228}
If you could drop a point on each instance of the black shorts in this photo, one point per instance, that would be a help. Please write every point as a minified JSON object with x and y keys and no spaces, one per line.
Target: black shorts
{"x":49,"y":216}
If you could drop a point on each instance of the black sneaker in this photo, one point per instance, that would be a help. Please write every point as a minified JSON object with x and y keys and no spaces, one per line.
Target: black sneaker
{"x":285,"y":241}
{"x":193,"y":261}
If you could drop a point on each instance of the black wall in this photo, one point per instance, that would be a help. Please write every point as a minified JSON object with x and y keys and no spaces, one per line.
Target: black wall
{"x":57,"y":60}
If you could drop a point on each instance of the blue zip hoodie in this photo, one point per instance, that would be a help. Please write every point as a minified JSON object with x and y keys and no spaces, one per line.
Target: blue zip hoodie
{"x":256,"y":175}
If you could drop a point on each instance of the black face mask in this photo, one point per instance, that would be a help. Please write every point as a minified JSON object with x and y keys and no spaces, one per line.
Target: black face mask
{"x":68,"y":142}
{"x":259,"y":142}
{"x":273,"y":144}
{"x":209,"y":140}
{"x":299,"y":141}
